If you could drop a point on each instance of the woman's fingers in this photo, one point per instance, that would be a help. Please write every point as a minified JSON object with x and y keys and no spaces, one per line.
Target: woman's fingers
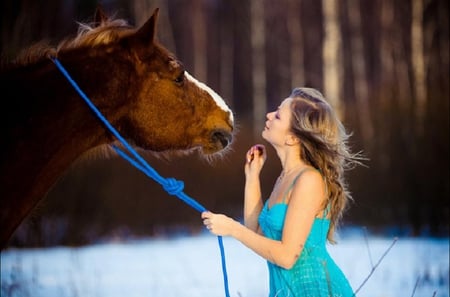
{"x":206,"y":216}
{"x":256,"y":150}
{"x":250,"y":155}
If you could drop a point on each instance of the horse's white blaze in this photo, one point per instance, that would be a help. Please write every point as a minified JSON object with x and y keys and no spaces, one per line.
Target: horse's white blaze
{"x":219,"y":100}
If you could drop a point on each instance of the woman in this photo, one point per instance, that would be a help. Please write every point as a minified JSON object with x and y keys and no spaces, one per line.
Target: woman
{"x":291,"y":228}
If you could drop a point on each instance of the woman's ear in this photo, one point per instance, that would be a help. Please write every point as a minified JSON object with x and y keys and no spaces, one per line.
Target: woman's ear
{"x":292,"y":140}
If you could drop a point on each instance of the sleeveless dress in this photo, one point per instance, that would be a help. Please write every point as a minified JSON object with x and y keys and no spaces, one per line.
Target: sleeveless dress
{"x":315,"y":274}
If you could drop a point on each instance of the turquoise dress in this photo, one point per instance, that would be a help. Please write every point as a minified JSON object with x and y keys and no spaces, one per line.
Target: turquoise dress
{"x":315,"y":274}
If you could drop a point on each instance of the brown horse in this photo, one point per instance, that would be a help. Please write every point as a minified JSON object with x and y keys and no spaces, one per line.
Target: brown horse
{"x":136,"y":83}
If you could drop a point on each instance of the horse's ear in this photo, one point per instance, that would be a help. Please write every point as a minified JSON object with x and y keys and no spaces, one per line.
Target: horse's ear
{"x":147,"y":32}
{"x":99,"y":16}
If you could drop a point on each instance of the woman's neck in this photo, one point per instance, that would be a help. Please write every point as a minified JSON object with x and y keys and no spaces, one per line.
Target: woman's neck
{"x":290,"y":161}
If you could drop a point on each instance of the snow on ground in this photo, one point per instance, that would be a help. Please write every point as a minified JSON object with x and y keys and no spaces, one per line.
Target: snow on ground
{"x":191,"y":266}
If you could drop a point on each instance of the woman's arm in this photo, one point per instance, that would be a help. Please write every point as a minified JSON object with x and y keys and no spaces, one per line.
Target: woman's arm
{"x":253,"y":204}
{"x":305,"y":203}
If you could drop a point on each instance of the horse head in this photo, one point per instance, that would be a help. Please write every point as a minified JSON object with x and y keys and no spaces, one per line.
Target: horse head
{"x":161,"y":106}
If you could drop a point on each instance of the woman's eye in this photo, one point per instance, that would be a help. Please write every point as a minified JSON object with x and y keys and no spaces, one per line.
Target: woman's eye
{"x":180,"y":78}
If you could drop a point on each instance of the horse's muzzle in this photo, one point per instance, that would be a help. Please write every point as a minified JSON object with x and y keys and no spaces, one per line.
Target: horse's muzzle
{"x":221,"y":137}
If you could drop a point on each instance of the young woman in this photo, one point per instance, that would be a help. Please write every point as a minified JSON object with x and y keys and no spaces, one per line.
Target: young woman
{"x":290,"y":229}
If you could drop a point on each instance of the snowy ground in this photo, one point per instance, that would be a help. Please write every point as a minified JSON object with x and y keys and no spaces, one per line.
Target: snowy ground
{"x":190,"y":266}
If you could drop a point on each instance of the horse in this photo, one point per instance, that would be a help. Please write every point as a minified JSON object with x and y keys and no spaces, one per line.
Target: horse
{"x":141,"y":87}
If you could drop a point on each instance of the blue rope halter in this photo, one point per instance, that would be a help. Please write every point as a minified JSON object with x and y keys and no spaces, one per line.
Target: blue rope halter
{"x":171,"y":185}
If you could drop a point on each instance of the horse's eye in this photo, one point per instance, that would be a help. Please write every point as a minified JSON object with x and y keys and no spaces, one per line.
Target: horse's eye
{"x":180,"y":79}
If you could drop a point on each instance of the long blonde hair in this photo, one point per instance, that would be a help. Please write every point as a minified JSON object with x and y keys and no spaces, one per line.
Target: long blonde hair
{"x":323,"y":145}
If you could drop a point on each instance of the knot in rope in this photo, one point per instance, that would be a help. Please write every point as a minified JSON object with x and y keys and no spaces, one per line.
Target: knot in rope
{"x":173,"y":186}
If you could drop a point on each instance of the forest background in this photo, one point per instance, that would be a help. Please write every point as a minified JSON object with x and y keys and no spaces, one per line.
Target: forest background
{"x":383,"y":64}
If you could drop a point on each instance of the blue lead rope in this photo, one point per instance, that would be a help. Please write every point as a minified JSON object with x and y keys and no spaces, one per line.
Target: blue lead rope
{"x":171,"y":185}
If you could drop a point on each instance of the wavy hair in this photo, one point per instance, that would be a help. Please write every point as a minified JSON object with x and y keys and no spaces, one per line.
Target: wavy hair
{"x":323,"y":145}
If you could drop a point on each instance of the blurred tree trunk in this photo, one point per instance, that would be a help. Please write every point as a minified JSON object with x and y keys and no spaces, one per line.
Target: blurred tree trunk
{"x":311,"y":16}
{"x":401,"y":52}
{"x":225,"y":49}
{"x":405,"y":120}
{"x":332,"y":60}
{"x":278,"y":52}
{"x":418,"y":63}
{"x":242,"y":49}
{"x":434,"y":142}
{"x":258,"y":41}
{"x":296,"y":40}
{"x":199,"y":39}
{"x":360,"y":81}
{"x":386,"y":76}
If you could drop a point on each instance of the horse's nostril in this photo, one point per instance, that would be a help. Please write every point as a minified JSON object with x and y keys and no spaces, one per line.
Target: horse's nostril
{"x":222,"y":136}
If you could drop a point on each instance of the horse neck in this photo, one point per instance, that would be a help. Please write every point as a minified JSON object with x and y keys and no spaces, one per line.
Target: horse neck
{"x":47,"y":127}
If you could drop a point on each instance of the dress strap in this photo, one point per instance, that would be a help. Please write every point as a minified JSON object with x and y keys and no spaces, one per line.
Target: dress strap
{"x":294,"y":181}
{"x":326,"y":210}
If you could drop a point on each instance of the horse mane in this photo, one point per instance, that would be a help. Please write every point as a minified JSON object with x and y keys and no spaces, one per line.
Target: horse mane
{"x":96,"y":34}
{"x":89,"y":35}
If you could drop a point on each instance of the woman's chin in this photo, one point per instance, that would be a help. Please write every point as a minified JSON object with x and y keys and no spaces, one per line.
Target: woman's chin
{"x":263,"y":134}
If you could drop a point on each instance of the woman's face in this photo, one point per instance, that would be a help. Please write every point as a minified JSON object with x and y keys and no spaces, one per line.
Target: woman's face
{"x":278,"y":124}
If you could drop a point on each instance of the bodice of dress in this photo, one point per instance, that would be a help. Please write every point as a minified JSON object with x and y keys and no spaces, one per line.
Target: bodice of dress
{"x":314,"y":274}
{"x":271,"y":221}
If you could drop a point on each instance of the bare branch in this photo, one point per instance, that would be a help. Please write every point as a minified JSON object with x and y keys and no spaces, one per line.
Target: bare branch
{"x":376,"y":265}
{"x":367,"y":244}
{"x":415,"y":286}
